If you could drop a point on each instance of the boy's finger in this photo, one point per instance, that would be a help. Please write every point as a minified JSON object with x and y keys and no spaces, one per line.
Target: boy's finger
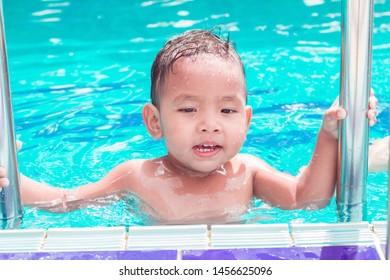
{"x":341,"y":113}
{"x":371,"y":115}
{"x":4,"y":182}
{"x":335,"y":113}
{"x":19,"y":144}
{"x":2,"y":172}
{"x":335,"y":102}
{"x":372,"y":102}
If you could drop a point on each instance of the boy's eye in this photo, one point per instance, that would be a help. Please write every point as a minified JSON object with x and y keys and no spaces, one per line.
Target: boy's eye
{"x":187,"y":110}
{"x":227,"y":111}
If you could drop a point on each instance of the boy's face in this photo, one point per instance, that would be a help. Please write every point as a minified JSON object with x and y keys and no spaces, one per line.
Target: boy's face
{"x":203,"y":115}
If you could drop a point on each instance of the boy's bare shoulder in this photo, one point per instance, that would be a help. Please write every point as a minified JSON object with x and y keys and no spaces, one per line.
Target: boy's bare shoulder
{"x":136,"y":166}
{"x":253,"y":164}
{"x":131,"y":167}
{"x":130,"y":170}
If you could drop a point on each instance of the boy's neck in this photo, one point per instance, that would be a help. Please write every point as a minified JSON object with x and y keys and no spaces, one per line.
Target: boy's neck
{"x":174,"y":166}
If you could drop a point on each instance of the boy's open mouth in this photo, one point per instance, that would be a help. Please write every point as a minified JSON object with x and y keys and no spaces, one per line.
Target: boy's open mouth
{"x":207,"y":149}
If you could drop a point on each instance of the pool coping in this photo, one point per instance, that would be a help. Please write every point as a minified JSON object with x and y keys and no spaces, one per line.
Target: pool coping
{"x":314,"y":241}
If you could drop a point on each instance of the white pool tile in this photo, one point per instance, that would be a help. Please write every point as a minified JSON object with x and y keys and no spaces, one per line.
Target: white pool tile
{"x":21,"y":240}
{"x":192,"y":237}
{"x":319,"y":234}
{"x":245,"y":236}
{"x":85,"y":239}
{"x":167,"y":237}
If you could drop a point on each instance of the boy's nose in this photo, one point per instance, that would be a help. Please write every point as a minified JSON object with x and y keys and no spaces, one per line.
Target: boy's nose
{"x":209,"y":124}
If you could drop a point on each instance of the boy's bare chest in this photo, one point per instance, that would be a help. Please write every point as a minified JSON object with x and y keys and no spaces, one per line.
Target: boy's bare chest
{"x":183,"y":199}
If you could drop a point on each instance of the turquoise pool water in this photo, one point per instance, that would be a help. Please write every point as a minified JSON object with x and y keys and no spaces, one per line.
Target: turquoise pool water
{"x":79,"y":73}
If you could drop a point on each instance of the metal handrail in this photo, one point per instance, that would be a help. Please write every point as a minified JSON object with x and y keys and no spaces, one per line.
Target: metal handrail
{"x":356,"y":53}
{"x":11,"y":209}
{"x":355,"y":86}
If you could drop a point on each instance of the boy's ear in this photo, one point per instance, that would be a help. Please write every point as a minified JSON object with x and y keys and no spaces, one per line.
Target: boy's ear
{"x":151,"y":117}
{"x":248,"y":110}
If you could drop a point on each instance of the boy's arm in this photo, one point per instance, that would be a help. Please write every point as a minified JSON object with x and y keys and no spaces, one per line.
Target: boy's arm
{"x":315,"y":186}
{"x":378,"y":156}
{"x":116,"y":182}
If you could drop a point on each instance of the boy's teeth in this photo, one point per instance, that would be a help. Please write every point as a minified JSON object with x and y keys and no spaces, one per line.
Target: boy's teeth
{"x":204,"y":148}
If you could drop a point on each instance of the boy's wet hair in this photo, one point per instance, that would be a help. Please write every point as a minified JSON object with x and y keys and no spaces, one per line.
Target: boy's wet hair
{"x":188,"y":44}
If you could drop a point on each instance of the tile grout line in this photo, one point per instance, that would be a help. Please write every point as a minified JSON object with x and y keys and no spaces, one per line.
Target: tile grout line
{"x":208,"y":237}
{"x":179,"y":255}
{"x":127,"y":236}
{"x":377,"y":243}
{"x":43,"y":242}
{"x":290,"y":232}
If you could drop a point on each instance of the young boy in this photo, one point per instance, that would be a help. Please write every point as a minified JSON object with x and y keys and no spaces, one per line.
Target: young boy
{"x":199,"y":107}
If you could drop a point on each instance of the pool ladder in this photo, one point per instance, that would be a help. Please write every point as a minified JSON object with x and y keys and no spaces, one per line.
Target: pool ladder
{"x":355,"y":86}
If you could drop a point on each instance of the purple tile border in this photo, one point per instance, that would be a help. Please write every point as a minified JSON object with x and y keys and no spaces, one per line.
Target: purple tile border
{"x":92,"y":255}
{"x":291,"y":253}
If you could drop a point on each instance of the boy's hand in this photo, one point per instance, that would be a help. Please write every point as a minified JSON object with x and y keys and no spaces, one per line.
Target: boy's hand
{"x":4,"y":182}
{"x":336,"y":113}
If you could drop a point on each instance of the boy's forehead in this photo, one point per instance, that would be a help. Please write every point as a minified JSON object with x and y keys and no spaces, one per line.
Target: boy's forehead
{"x":204,"y":74}
{"x":212,"y":61}
{"x":207,"y":67}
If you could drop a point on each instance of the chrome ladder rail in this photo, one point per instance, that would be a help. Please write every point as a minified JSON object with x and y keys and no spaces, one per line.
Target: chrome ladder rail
{"x":11,"y":210}
{"x":355,"y":86}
